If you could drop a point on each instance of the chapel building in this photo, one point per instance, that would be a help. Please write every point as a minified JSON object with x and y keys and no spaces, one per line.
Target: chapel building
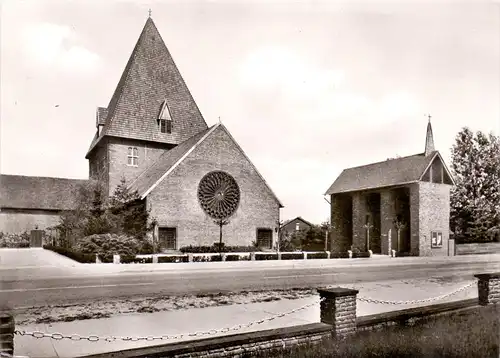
{"x":370,"y":204}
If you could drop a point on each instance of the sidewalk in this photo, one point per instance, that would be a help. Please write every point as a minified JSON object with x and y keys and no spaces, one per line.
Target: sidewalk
{"x":217,"y":318}
{"x":77,"y":269}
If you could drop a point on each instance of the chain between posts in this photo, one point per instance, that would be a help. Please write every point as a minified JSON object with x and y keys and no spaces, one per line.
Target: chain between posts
{"x":411,"y":302}
{"x":95,"y":338}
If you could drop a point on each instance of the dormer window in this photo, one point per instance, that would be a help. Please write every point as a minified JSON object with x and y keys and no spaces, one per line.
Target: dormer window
{"x":165,"y":119}
{"x":132,"y":157}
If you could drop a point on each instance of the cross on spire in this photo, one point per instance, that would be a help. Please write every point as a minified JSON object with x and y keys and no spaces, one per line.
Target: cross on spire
{"x":149,"y":11}
{"x":429,"y":117}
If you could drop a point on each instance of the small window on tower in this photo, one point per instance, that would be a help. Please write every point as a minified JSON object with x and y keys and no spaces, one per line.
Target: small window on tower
{"x":164,"y":118}
{"x":132,"y":157}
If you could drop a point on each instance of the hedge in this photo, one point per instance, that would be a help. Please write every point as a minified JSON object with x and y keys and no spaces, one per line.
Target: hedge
{"x":339,"y":255}
{"x":214,"y":249}
{"x":169,"y":259}
{"x":74,"y":255}
{"x":358,"y":255}
{"x":17,"y":241}
{"x":317,"y":255}
{"x":266,"y":257}
{"x":292,"y":256}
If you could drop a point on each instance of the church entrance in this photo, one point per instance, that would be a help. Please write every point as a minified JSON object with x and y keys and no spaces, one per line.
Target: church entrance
{"x":167,"y":237}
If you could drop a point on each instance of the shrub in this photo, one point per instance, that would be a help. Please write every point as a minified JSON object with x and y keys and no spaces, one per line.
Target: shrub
{"x":358,"y":255}
{"x":234,"y":258}
{"x":107,"y":245}
{"x":262,"y":257}
{"x":74,"y":255}
{"x":339,"y":255}
{"x":170,"y":259}
{"x":15,"y":240}
{"x":317,"y":255}
{"x":215,"y":249}
{"x":292,"y":256}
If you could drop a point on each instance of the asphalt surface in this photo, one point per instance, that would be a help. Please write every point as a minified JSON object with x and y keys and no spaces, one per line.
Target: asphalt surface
{"x":22,"y":289}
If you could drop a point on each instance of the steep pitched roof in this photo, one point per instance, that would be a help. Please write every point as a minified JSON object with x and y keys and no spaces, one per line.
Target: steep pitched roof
{"x":382,"y":174}
{"x":150,"y":78}
{"x":27,"y":192}
{"x":102,"y":113}
{"x":165,"y":162}
{"x":297,"y":218}
{"x":168,"y":161}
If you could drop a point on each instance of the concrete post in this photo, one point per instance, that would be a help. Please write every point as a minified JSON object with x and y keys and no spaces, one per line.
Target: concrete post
{"x":488,"y":288}
{"x":223,"y":257}
{"x":305,"y":255}
{"x":155,"y":258}
{"x":328,"y":255}
{"x":338,"y":309}
{"x":252,"y":256}
{"x":7,"y":327}
{"x":190,"y":257}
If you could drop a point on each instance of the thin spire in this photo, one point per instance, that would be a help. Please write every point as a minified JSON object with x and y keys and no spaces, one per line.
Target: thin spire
{"x":429,"y":138}
{"x":149,"y":12}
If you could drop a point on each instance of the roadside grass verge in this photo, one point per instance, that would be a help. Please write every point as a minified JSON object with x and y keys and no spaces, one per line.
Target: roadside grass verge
{"x":123,"y":305}
{"x":461,"y":335}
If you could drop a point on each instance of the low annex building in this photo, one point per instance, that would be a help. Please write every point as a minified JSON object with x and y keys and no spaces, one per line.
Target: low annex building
{"x":152,"y":134}
{"x":370,"y":203}
{"x":295,"y":225}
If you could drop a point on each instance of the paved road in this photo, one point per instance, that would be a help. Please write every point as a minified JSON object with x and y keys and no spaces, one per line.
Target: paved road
{"x":21,"y":291}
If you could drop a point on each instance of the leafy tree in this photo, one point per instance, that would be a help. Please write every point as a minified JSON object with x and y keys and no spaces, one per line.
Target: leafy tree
{"x":475,"y":200}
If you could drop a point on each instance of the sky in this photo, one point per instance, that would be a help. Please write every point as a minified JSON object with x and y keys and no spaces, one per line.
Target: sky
{"x":307,"y":88}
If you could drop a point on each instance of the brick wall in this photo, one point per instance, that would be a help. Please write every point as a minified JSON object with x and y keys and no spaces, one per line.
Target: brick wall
{"x":99,"y":165}
{"x":358,"y":219}
{"x":18,"y":221}
{"x":387,"y":214}
{"x":174,"y":201}
{"x":118,"y":158}
{"x":434,"y":215}
{"x":415,"y":219}
{"x":488,"y":288}
{"x":341,"y":219}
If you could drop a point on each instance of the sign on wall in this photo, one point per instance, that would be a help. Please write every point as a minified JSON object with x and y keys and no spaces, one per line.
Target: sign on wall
{"x":436,"y":239}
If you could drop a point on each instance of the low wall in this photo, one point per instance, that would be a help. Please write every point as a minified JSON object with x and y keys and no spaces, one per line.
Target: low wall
{"x":479,"y":248}
{"x":229,"y":346}
{"x":338,"y":321}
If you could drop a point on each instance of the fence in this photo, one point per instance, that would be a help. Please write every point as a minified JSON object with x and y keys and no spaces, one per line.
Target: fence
{"x":478,"y":248}
{"x":337,"y":316}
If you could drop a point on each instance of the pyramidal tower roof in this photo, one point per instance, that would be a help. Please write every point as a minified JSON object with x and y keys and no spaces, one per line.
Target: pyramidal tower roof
{"x":150,"y":79}
{"x":429,"y":139}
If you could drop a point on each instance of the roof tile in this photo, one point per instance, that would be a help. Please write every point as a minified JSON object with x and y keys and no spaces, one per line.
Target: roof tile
{"x":43,"y":193}
{"x":382,"y":174}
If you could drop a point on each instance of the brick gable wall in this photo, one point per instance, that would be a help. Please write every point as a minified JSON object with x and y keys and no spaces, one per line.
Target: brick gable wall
{"x":174,"y":201}
{"x":148,"y":153}
{"x":434,"y":215}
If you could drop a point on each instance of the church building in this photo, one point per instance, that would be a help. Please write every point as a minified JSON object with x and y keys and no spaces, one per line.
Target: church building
{"x":400,"y":204}
{"x":193,"y":178}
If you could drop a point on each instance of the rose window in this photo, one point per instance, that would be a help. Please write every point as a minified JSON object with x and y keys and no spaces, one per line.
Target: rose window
{"x":219,"y":195}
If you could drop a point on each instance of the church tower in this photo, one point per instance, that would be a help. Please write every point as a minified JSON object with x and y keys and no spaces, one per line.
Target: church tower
{"x":150,"y":112}
{"x":429,"y":139}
